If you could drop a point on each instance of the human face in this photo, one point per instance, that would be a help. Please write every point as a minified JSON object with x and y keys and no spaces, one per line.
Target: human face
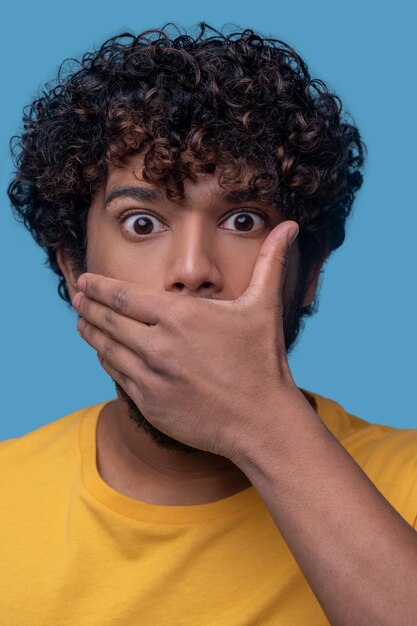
{"x":205,"y":246}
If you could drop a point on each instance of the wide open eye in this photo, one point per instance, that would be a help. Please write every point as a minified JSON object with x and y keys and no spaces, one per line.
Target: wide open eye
{"x":140,"y":224}
{"x":143,"y":224}
{"x":247,"y":221}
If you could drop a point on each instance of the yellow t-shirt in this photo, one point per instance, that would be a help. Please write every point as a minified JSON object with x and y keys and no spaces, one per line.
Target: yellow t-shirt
{"x":74,"y":551}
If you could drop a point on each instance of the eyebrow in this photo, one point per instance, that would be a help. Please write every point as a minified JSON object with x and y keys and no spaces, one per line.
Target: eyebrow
{"x":143,"y":194}
{"x":152,"y":194}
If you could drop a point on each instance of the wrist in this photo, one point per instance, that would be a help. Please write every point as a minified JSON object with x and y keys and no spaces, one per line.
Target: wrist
{"x":278,"y":431}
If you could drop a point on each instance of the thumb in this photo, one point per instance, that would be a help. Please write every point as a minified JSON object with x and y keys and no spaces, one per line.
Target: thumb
{"x":268,"y":275}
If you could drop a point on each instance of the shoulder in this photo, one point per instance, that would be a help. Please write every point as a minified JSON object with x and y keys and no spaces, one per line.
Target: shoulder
{"x":361,"y":436}
{"x":41,"y":477}
{"x":386,"y":454}
{"x":46,"y":436}
{"x":44,"y":454}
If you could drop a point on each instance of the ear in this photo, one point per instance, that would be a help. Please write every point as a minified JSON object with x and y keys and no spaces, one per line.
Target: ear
{"x":313,"y":282}
{"x":66,"y":267}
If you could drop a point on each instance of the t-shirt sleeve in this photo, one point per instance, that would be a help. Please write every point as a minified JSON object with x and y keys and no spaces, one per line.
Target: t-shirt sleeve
{"x":389,"y":457}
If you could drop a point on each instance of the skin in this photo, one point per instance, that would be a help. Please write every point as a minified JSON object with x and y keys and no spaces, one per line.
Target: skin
{"x":214,"y":375}
{"x":192,"y":251}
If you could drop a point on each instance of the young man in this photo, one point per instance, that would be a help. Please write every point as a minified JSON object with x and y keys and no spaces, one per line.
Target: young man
{"x":167,"y":180}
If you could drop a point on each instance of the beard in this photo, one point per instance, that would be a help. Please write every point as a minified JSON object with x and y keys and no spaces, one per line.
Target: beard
{"x":293,"y":323}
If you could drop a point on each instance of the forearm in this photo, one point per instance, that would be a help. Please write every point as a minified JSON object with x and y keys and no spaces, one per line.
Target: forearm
{"x":357,"y":553}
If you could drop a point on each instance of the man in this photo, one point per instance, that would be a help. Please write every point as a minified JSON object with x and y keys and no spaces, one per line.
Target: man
{"x":187,"y":192}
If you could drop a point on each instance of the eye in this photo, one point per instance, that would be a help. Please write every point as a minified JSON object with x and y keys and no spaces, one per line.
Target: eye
{"x":244,"y":220}
{"x":142,"y":224}
{"x":139,"y":223}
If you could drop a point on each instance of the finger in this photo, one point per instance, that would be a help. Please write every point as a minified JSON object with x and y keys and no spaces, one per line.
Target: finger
{"x":123,"y":380}
{"x":131,"y":333}
{"x":117,"y":355}
{"x":126,"y":383}
{"x":129,"y":299}
{"x":268,"y":275}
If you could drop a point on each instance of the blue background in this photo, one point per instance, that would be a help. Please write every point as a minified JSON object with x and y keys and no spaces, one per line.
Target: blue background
{"x":360,"y":348}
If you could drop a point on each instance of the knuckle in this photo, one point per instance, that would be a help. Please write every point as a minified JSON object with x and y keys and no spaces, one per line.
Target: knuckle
{"x":108,"y":319}
{"x":271,"y":306}
{"x":124,"y":379}
{"x":157,"y":355}
{"x":282,"y":259}
{"x":107,"y":352}
{"x":105,"y":364}
{"x":87,"y":329}
{"x":154,"y":353}
{"x":120,"y":299}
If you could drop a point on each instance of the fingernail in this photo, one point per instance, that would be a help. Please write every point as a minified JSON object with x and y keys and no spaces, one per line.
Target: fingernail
{"x":82,"y":282}
{"x":76,"y":300}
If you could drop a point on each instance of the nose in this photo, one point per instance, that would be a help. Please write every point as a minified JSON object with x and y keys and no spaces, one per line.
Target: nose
{"x":192,"y":266}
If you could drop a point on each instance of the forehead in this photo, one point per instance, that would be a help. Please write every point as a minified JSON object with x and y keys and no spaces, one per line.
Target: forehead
{"x":205,"y":187}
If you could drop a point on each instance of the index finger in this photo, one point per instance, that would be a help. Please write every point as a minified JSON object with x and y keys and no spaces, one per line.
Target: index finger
{"x":128,"y":299}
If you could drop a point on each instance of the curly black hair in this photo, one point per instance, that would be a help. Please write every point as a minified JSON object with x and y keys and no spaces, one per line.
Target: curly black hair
{"x":189,"y":105}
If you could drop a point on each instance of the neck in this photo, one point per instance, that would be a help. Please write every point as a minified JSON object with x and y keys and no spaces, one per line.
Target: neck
{"x":131,"y":463}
